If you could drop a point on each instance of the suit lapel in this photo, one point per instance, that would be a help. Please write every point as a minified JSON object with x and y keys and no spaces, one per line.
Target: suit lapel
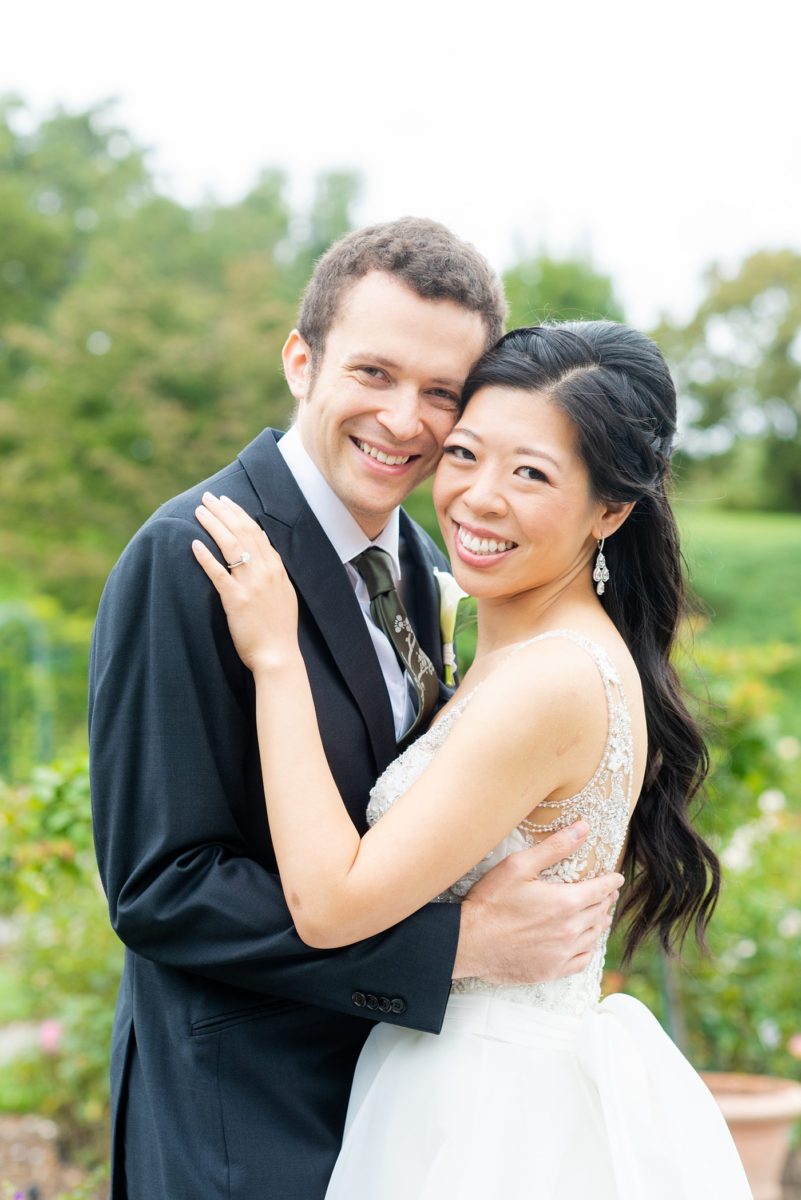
{"x":323,"y":584}
{"x":420,"y":590}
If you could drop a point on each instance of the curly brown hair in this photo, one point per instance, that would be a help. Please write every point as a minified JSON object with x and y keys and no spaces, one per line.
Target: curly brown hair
{"x":425,"y":255}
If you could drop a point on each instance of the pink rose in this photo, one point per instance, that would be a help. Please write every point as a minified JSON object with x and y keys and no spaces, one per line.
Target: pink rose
{"x":794,"y":1045}
{"x":50,"y":1032}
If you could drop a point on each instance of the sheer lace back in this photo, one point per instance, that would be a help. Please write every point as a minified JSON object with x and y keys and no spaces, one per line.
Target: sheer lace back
{"x":604,"y":802}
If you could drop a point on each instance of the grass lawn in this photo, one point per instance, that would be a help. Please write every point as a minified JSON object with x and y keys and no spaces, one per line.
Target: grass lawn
{"x":746,"y":567}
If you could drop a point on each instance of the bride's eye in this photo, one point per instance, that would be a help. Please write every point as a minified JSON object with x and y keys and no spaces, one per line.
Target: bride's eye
{"x":460,"y":453}
{"x":532,"y":473}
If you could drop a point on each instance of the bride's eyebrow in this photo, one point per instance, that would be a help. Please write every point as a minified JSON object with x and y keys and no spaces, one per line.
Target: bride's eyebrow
{"x":526,"y":451}
{"x":530,"y":452}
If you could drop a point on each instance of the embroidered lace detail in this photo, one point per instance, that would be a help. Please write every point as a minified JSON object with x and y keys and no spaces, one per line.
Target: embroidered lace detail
{"x":604,"y":802}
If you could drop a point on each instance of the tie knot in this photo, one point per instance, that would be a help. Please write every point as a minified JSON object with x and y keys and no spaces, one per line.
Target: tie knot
{"x":375,"y":567}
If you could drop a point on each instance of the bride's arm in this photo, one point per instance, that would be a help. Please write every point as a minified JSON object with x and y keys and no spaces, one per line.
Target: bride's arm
{"x":500,"y":760}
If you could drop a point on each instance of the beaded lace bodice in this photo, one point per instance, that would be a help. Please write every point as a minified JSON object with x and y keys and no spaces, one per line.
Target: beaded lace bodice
{"x":604,"y":802}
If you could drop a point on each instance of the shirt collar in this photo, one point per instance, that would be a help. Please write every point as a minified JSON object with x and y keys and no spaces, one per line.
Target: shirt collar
{"x":339,"y":525}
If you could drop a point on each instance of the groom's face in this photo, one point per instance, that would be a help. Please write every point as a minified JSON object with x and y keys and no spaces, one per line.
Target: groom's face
{"x":375,"y":412}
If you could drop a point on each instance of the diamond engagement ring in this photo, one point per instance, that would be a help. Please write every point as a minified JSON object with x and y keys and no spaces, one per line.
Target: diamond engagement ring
{"x":244,"y":559}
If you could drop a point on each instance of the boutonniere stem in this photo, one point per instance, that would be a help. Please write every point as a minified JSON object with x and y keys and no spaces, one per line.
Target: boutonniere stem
{"x":450,"y":595}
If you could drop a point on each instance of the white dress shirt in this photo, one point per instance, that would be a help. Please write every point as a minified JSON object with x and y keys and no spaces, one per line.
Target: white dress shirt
{"x":349,"y":539}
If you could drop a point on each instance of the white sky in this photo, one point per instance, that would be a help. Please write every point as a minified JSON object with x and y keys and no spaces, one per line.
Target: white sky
{"x":659,"y":137}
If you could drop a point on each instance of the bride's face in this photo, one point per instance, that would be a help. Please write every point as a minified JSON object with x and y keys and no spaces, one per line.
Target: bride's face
{"x":512,"y":496}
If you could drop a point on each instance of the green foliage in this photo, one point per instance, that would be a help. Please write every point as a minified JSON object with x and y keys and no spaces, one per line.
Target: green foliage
{"x":94,"y":1187}
{"x":74,"y":174}
{"x":65,"y":962}
{"x":747,"y":569}
{"x":140,"y":341}
{"x":43,"y":664}
{"x":329,"y":217}
{"x":737,"y":1009}
{"x":548,"y":289}
{"x":737,"y":365}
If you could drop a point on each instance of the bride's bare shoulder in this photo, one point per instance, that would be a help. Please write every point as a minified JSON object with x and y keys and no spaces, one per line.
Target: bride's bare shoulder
{"x":551,"y":683}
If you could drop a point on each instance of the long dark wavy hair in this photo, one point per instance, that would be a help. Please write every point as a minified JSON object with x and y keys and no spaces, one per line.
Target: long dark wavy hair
{"x":614,"y":385}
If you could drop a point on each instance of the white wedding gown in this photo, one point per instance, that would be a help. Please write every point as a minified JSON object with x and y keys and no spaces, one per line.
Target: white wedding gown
{"x":542,"y":1091}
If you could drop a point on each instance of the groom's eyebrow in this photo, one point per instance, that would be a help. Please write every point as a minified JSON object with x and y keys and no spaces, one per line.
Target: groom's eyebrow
{"x":379,"y":360}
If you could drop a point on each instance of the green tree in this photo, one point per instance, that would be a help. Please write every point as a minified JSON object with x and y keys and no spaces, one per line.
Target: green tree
{"x":329,"y":216}
{"x":148,"y":355}
{"x":549,"y":289}
{"x":737,"y":365}
{"x":73,"y":176}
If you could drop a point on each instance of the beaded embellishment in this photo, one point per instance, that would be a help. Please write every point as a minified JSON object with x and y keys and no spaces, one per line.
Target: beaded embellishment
{"x":604,"y":802}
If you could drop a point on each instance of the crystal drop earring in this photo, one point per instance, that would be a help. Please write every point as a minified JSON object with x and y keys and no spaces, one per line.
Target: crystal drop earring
{"x":601,"y":572}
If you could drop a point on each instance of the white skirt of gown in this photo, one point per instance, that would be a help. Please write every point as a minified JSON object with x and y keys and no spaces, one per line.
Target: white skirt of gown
{"x":511,"y":1100}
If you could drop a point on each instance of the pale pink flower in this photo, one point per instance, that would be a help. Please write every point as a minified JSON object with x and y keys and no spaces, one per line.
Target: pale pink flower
{"x":50,"y":1032}
{"x":794,"y":1045}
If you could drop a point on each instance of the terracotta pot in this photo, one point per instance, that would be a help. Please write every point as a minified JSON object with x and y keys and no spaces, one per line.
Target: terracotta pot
{"x":760,"y":1111}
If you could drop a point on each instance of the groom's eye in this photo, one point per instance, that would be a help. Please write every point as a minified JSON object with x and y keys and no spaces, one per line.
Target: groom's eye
{"x":371,"y":372}
{"x":443,"y":397}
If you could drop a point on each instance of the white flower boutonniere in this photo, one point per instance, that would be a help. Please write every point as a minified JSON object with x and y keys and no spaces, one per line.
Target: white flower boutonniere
{"x":449,"y":596}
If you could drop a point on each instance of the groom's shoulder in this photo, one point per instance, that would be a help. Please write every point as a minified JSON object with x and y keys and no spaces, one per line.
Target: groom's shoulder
{"x":240,"y":480}
{"x":424,"y":545}
{"x":232,"y":480}
{"x":173,"y":524}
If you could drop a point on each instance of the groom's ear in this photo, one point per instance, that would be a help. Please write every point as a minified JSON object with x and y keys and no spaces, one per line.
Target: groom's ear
{"x":296,"y":357}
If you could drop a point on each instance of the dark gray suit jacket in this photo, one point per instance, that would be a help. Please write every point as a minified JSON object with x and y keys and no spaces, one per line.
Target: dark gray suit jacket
{"x":234,"y":1043}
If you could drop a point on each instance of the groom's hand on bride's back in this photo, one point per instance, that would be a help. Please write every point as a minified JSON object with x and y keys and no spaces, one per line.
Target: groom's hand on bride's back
{"x":517,"y":928}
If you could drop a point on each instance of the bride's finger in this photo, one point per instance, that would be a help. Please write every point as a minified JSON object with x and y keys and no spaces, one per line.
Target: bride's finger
{"x":230,"y":520}
{"x":229,"y":543}
{"x":249,"y":532}
{"x":240,"y":522}
{"x":216,"y":572}
{"x":233,"y":515}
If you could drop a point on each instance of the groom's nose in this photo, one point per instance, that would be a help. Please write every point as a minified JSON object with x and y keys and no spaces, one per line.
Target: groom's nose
{"x":402,"y":416}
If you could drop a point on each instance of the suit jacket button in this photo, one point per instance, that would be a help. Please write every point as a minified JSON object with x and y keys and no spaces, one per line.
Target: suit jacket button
{"x":359,"y":999}
{"x":384,"y":1004}
{"x":372,"y":1001}
{"x":397,"y":1005}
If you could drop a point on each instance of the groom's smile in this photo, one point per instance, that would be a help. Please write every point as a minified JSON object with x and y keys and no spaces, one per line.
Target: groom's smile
{"x":387,"y":458}
{"x":376,"y":408}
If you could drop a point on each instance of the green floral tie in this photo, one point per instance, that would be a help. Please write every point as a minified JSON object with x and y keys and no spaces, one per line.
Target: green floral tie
{"x":375,"y":567}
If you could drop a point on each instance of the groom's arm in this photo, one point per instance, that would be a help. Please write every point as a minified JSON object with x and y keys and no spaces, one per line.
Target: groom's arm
{"x":171,"y":735}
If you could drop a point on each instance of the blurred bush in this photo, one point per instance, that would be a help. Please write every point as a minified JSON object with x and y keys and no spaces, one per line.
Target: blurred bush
{"x":63,"y":962}
{"x":43,"y":664}
{"x":140,"y":339}
{"x":738,"y":1008}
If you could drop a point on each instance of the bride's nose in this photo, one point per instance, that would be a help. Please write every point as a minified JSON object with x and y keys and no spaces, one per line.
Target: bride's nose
{"x":485,"y":493}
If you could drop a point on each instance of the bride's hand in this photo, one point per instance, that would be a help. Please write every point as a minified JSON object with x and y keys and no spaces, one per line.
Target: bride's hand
{"x":257,"y":594}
